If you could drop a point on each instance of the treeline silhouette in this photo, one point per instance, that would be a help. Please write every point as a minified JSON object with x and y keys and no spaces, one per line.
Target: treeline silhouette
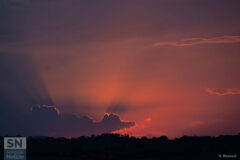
{"x":122,"y":147}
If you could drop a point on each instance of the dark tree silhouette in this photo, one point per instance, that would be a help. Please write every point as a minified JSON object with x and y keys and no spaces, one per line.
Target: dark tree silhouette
{"x":120,"y":147}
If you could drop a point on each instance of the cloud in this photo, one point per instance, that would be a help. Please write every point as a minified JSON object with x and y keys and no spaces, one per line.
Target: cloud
{"x":47,"y":120}
{"x":22,"y":86}
{"x":223,"y":92}
{"x":200,"y":40}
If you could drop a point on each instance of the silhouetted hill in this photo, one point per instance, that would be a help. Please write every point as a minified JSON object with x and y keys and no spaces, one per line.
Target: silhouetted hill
{"x":120,"y":147}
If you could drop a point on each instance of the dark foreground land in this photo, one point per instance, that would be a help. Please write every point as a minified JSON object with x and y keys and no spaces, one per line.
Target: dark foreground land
{"x":117,"y":147}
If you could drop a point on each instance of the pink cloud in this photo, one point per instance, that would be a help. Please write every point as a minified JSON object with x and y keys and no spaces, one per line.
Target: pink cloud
{"x":223,"y":92}
{"x":200,"y":40}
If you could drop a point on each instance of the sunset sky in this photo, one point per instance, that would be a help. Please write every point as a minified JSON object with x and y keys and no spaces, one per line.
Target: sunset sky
{"x":164,"y":67}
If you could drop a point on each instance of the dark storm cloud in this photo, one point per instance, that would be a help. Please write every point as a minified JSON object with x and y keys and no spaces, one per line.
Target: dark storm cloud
{"x":71,"y":125}
{"x":47,"y":120}
{"x":21,"y":86}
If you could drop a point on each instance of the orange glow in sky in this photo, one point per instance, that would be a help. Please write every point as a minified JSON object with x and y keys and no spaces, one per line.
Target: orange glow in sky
{"x":155,"y":63}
